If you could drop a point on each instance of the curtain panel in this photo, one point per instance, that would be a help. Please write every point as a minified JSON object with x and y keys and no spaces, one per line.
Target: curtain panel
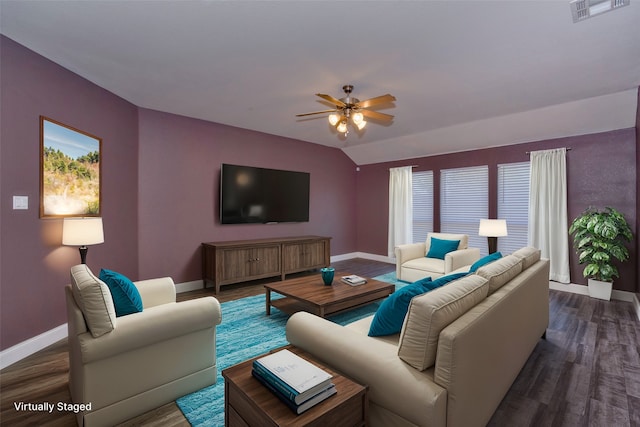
{"x":400,"y":208}
{"x":548,"y":222}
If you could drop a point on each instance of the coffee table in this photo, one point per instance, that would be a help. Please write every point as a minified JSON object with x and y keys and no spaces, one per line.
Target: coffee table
{"x":309,"y":293}
{"x":249,"y":403}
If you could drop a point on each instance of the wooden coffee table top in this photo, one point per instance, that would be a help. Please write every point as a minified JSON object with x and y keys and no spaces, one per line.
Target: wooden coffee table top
{"x":309,"y":293}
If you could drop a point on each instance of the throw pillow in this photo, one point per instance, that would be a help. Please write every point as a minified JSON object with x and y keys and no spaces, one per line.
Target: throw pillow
{"x":390,"y":315}
{"x":484,"y":261}
{"x":94,"y":300}
{"x":439,"y":247}
{"x":126,"y":297}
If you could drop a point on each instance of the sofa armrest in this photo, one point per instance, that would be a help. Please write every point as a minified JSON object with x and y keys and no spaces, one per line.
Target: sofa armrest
{"x":460,"y":258}
{"x":393,"y":384}
{"x":156,"y":291}
{"x":150,"y":326}
{"x":408,"y":252}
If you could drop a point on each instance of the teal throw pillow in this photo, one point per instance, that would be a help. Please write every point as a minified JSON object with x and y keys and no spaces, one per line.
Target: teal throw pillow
{"x":390,"y":315}
{"x":126,"y":297}
{"x":484,"y":261}
{"x":440,"y":247}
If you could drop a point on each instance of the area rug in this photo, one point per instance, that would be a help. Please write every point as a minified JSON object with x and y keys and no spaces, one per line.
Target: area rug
{"x":246,"y":332}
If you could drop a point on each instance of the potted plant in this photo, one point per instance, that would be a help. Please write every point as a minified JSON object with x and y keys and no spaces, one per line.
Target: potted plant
{"x":599,"y":237}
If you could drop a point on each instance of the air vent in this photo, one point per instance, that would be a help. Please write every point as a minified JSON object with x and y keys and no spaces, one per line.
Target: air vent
{"x":584,"y":9}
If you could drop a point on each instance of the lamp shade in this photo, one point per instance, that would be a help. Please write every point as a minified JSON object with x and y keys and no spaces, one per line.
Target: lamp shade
{"x":82,"y":231}
{"x":493,"y":228}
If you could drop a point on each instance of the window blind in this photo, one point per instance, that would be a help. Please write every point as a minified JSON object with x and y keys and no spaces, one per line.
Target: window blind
{"x":513,"y":204}
{"x":464,"y":200}
{"x":422,"y":205}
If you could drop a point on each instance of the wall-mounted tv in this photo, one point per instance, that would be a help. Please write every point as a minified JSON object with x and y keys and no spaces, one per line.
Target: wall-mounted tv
{"x":259,"y":195}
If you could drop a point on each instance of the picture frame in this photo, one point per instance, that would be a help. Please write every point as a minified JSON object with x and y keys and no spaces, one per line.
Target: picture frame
{"x":70,"y":171}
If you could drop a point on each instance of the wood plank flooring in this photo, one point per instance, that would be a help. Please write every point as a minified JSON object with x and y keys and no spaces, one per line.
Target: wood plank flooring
{"x":587,"y":372}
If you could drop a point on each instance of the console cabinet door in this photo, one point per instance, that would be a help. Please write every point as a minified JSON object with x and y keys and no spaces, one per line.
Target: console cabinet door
{"x":265,"y":261}
{"x":304,"y":256}
{"x":236,"y":264}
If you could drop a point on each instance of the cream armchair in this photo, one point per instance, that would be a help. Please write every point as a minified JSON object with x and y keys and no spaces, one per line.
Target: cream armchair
{"x":412,"y":263}
{"x":122,"y":367}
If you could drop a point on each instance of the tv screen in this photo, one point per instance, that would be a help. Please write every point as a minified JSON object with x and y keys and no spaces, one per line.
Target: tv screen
{"x":259,"y":195}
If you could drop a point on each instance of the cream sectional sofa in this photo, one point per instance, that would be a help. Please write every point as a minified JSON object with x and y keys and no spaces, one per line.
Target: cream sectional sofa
{"x":460,"y":348}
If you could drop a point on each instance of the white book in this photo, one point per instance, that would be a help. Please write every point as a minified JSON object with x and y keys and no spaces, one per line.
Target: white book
{"x":297,"y":372}
{"x":354,"y":280}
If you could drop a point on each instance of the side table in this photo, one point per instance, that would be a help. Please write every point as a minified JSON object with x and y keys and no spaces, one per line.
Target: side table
{"x":248,"y":403}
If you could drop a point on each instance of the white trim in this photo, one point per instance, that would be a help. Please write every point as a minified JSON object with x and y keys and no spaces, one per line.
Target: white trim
{"x":189,"y":286}
{"x":32,"y":345}
{"x":373,"y":257}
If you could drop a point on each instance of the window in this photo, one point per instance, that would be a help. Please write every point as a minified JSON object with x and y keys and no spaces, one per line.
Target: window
{"x":464,"y":199}
{"x":422,"y":205}
{"x":513,"y":204}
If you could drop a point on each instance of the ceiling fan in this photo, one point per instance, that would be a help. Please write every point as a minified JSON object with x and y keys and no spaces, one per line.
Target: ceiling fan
{"x":352,"y":108}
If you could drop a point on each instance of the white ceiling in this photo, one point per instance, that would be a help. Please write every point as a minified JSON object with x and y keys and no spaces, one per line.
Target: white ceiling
{"x":466,"y":74}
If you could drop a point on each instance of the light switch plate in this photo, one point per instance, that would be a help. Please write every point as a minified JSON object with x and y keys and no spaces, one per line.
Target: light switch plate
{"x":20,"y":202}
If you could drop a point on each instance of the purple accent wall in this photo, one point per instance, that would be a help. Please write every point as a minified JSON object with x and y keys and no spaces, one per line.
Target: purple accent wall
{"x":637,"y":238}
{"x":601,"y":172}
{"x":34,"y":266}
{"x":180,"y":161}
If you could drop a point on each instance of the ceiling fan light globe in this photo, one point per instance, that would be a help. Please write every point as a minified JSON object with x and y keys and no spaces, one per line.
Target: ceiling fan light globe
{"x":361,"y":125}
{"x":333,"y":119}
{"x":357,"y":118}
{"x":342,"y":127}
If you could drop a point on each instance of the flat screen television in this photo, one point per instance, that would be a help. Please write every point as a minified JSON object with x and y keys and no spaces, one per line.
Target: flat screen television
{"x":259,"y":195}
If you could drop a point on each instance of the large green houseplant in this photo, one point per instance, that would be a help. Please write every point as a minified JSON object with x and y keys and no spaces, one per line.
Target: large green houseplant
{"x":599,"y":237}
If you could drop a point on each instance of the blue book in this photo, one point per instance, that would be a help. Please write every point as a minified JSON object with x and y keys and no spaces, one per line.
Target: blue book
{"x":294,"y":376}
{"x":306,"y":405}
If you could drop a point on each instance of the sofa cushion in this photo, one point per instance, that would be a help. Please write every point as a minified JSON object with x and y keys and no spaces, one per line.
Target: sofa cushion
{"x":94,"y":299}
{"x":430,"y":313}
{"x":484,"y":261}
{"x":528,"y":255}
{"x":440,"y":247}
{"x":126,"y":297}
{"x":429,"y":265}
{"x":500,"y":272}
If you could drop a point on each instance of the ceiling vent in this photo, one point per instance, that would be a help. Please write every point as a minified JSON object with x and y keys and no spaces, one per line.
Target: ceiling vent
{"x":585,"y":9}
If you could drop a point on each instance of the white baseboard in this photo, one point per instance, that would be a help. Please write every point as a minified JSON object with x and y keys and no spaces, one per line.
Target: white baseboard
{"x":32,"y":345}
{"x":37,"y":343}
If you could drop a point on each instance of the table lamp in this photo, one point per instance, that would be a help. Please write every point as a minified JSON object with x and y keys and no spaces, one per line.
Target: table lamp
{"x":82,"y":232}
{"x":492,"y":229}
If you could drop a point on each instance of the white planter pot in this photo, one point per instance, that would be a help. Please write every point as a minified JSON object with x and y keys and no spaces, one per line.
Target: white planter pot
{"x":599,"y":289}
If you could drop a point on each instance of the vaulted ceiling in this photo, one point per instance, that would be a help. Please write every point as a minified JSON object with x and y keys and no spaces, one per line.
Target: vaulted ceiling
{"x":466,"y":74}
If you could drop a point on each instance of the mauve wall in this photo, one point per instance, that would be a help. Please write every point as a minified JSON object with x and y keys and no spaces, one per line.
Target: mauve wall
{"x":601,"y":172}
{"x":34,"y":266}
{"x":179,"y":169}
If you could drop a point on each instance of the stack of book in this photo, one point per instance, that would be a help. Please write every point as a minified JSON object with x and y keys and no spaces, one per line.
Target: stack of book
{"x":297,"y":382}
{"x":354,"y":280}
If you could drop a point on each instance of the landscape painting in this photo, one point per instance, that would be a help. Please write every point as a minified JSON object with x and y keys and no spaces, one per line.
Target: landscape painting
{"x":70,"y":171}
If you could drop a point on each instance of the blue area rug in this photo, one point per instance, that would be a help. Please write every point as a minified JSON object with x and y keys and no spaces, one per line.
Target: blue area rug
{"x":246,"y":332}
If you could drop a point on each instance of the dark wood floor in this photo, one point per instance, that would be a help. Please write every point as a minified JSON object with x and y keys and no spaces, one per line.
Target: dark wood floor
{"x":587,"y":372}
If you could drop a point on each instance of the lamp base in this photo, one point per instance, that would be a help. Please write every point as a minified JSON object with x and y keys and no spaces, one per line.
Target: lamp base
{"x":83,"y":254}
{"x":493,"y":244}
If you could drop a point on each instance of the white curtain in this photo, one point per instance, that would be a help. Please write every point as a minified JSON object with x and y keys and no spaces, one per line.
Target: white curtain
{"x":548,"y":223}
{"x":400,"y":207}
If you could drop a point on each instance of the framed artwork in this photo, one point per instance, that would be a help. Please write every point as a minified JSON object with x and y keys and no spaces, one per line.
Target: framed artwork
{"x":70,"y":171}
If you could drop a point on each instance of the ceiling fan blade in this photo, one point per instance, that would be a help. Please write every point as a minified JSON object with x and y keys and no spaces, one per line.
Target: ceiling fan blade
{"x":316,"y":112}
{"x":375,"y":101}
{"x":331,"y":99}
{"x":376,"y":115}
